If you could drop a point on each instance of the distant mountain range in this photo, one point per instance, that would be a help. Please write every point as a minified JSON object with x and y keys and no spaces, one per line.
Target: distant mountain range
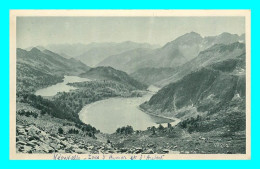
{"x":173,"y":54}
{"x":97,"y":54}
{"x":69,"y":50}
{"x":150,"y":64}
{"x":130,"y":56}
{"x":93,"y":53}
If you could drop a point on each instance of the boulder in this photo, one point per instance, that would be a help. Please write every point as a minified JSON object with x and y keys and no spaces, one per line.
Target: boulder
{"x":122,"y":150}
{"x":80,"y":151}
{"x":21,"y":142}
{"x":26,"y":149}
{"x":46,"y":148}
{"x":150,"y":145}
{"x":174,"y":152}
{"x":35,"y":132}
{"x":61,"y":151}
{"x":149,"y":151}
{"x":138,"y":150}
{"x":166,"y":151}
{"x":21,"y":138}
{"x":21,"y":131}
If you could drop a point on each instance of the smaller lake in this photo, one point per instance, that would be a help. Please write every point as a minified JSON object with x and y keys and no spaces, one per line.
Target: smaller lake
{"x":61,"y":87}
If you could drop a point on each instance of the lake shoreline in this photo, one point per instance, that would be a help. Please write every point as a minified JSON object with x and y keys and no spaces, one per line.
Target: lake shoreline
{"x":52,"y":90}
{"x":174,"y":122}
{"x":156,"y":115}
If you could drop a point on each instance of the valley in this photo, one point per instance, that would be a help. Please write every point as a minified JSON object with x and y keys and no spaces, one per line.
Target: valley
{"x":182,"y":98}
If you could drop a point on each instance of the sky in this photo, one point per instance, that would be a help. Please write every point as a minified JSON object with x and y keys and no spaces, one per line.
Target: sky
{"x":34,"y":31}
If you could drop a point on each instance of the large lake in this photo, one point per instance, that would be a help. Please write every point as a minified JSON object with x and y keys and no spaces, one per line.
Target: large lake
{"x":60,"y":87}
{"x":110,"y":114}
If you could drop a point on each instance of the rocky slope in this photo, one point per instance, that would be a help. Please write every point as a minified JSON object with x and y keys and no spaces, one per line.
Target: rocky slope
{"x":212,"y":55}
{"x":30,"y":139}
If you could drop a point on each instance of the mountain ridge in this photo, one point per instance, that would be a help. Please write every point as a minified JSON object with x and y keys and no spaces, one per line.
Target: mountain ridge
{"x":172,"y":54}
{"x":37,"y":69}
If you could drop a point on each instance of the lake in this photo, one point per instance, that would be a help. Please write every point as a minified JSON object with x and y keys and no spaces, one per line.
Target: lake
{"x":61,"y":87}
{"x":110,"y":114}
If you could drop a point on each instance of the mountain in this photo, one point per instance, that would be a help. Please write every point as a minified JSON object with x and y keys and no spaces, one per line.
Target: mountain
{"x":36,"y":68}
{"x":224,"y":38}
{"x":50,"y":61}
{"x":109,"y":73}
{"x":41,"y":48}
{"x":173,"y":54}
{"x":214,"y":54}
{"x":96,"y":54}
{"x":152,"y":75}
{"x":126,"y":61}
{"x":68,"y":50}
{"x":216,"y":91}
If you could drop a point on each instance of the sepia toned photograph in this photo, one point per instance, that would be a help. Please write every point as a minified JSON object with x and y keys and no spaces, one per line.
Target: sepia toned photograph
{"x":130,"y":84}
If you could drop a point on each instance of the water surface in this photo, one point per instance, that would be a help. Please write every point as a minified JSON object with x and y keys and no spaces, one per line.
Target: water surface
{"x":60,"y":87}
{"x":110,"y":114}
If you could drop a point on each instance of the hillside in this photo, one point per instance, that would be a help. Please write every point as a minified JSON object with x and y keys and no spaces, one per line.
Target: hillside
{"x":152,"y":75}
{"x":212,"y":55}
{"x":36,"y":69}
{"x":127,"y":61}
{"x":216,"y":93}
{"x":109,"y":73}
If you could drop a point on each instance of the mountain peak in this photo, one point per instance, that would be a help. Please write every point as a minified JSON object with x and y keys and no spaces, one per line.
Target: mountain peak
{"x":191,"y":37}
{"x":35,"y":49}
{"x":227,"y":34}
{"x":193,"y":33}
{"x":186,"y":39}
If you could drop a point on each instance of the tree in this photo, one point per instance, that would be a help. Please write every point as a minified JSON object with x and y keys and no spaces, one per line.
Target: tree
{"x":160,"y":127}
{"x":125,"y":130}
{"x":169,"y":125}
{"x":153,"y":130}
{"x":129,"y":130}
{"x":60,"y":130}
